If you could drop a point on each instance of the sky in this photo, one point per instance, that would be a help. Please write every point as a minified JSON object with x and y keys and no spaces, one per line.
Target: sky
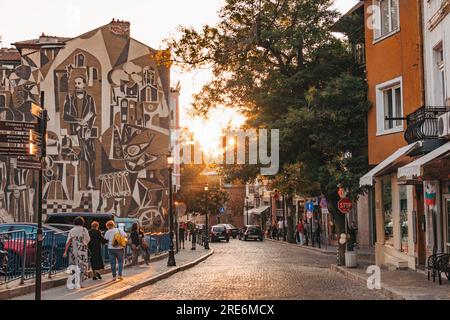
{"x":152,"y":21}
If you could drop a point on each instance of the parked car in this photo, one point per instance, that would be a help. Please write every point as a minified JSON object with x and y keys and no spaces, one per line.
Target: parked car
{"x":219,"y":233}
{"x":67,"y":218}
{"x":60,"y":226}
{"x":251,"y":232}
{"x":232,"y":230}
{"x":13,"y":243}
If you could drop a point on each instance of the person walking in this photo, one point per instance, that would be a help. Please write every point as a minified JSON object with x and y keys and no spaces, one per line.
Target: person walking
{"x":95,"y":250}
{"x":280,"y":229}
{"x":317,"y":231}
{"x":182,"y":234}
{"x":274,"y":231}
{"x":116,"y":248}
{"x":145,"y":246}
{"x":78,"y":240}
{"x":306,"y":232}
{"x":301,"y":232}
{"x":135,"y":243}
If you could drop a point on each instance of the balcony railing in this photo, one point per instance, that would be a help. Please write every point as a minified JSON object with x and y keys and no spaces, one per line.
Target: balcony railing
{"x":423,"y":123}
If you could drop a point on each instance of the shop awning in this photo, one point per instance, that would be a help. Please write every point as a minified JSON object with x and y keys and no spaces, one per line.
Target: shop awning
{"x":259,"y":210}
{"x":397,"y":158}
{"x":415,"y":168}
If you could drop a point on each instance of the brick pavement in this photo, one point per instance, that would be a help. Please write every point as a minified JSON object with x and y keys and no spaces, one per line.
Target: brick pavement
{"x":259,"y":271}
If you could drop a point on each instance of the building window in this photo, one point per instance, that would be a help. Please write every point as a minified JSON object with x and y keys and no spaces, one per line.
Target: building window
{"x":441,"y":89}
{"x":386,"y":17}
{"x":149,"y":77}
{"x":389,"y":107}
{"x":403,"y":218}
{"x":387,"y":210}
{"x":79,"y":60}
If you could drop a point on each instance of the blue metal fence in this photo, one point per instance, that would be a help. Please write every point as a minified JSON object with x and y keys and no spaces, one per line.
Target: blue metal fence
{"x":18,"y":253}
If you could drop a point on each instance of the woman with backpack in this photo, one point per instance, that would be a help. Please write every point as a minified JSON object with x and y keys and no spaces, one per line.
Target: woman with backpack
{"x":117,"y":241}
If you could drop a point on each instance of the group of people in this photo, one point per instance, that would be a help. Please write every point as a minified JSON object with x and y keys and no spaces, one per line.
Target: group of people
{"x":303,"y":232}
{"x":85,"y":246}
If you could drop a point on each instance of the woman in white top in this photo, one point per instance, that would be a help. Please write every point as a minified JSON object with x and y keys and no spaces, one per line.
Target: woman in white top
{"x":78,"y":239}
{"x":116,"y":253}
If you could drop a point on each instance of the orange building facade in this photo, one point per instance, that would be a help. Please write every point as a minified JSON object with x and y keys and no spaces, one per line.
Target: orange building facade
{"x":394,"y":64}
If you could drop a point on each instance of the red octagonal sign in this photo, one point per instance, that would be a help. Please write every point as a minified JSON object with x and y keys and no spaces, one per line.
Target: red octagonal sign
{"x":345,"y":205}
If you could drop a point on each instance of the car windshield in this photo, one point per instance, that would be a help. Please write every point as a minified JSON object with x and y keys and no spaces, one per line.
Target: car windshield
{"x":218,"y":229}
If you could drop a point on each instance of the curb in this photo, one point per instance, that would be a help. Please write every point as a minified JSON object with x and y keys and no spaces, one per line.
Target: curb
{"x":132,"y":288}
{"x":302,"y":247}
{"x":53,"y":283}
{"x":356,"y":277}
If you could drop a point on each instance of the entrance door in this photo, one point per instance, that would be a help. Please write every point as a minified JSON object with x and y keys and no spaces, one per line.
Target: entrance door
{"x":421,"y":228}
{"x":447,"y":222}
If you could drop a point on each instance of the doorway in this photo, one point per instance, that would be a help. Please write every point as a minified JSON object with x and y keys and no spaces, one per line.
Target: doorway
{"x":420,"y":228}
{"x":447,"y":222}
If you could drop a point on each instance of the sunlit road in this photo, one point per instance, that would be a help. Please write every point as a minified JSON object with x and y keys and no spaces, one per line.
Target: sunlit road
{"x":241,"y":270}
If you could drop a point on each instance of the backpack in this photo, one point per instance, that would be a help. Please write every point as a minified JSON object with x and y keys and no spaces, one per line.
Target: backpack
{"x":119,"y":240}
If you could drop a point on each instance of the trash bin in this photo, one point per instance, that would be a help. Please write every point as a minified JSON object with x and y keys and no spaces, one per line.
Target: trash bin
{"x":350,"y":259}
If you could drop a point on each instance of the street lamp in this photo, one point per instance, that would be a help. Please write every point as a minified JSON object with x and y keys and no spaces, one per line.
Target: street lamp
{"x":246,"y":207}
{"x":206,"y":212}
{"x":171,"y":262}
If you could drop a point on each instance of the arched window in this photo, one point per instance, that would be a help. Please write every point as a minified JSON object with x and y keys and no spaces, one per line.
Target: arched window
{"x":80,"y":60}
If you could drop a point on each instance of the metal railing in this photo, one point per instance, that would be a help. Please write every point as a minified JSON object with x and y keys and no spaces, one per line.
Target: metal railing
{"x":18,"y":253}
{"x":423,"y":123}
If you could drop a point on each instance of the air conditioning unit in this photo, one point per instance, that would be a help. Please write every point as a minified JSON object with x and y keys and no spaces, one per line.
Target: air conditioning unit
{"x":444,"y":125}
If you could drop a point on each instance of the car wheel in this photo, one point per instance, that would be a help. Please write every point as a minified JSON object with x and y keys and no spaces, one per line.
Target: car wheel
{"x":245,"y":238}
{"x":228,"y":240}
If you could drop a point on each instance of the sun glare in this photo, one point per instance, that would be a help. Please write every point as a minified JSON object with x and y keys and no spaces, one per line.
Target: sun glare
{"x":209,"y":132}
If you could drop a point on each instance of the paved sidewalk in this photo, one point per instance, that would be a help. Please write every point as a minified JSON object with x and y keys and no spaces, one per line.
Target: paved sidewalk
{"x":134,"y":278}
{"x":364,"y":255}
{"x":402,"y":284}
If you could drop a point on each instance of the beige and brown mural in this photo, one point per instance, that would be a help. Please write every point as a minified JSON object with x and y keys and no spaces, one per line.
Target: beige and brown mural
{"x":108,"y":133}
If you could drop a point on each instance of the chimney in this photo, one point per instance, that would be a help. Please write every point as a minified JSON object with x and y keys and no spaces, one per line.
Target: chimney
{"x":119,"y":27}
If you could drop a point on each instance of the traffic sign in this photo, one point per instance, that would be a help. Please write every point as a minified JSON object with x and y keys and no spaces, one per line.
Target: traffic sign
{"x":309,"y":214}
{"x":222,"y":210}
{"x":345,"y":205}
{"x":12,"y":127}
{"x":325,"y":211}
{"x":310,"y":206}
{"x":323,"y":203}
{"x":33,"y":164}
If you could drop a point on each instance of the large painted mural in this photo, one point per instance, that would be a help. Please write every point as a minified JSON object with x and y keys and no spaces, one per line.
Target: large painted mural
{"x":108,"y":133}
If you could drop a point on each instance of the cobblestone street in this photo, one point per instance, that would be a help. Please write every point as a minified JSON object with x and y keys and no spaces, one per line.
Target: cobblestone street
{"x":258,"y":270}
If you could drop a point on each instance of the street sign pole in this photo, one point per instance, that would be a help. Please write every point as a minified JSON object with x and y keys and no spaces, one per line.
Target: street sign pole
{"x":43,"y":132}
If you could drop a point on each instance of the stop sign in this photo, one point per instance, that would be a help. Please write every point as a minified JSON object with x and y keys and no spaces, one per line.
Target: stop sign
{"x":345,"y":205}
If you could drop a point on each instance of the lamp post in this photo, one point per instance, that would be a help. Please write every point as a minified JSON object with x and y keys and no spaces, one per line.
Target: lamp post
{"x":206,"y":212}
{"x":246,"y":207}
{"x":171,"y":262}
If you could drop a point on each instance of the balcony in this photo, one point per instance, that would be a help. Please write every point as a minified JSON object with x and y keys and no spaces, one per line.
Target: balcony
{"x":423,"y":124}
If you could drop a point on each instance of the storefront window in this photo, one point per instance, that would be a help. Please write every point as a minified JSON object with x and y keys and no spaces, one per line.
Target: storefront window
{"x":387,"y":210}
{"x":403,"y":219}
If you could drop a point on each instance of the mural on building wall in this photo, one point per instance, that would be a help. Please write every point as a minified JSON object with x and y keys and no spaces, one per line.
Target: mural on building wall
{"x":108,"y":133}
